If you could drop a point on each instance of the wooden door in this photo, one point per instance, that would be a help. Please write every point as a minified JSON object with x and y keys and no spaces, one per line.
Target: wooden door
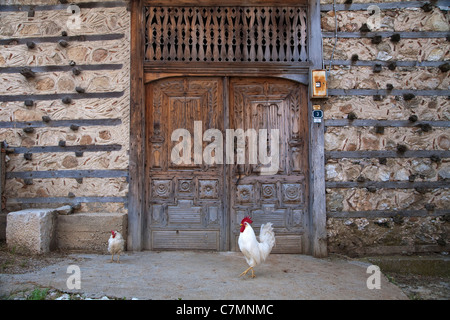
{"x":184,"y":201}
{"x":196,"y":205}
{"x":280,"y":197}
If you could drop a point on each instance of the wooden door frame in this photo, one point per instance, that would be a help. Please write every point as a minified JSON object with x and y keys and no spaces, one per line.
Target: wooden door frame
{"x":137,"y":152}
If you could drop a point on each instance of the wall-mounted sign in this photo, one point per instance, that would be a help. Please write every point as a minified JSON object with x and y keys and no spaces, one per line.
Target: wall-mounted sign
{"x":317,"y":114}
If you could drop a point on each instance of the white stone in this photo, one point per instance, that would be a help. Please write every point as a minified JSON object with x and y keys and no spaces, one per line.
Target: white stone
{"x":444,"y":173}
{"x":435,"y":54}
{"x":401,"y":175}
{"x":330,"y":170}
{"x":383,"y":175}
{"x":31,"y":230}
{"x":438,"y":22}
{"x":384,"y":56}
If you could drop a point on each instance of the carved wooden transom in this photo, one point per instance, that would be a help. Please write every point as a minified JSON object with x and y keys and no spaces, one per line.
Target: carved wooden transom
{"x":226,"y":34}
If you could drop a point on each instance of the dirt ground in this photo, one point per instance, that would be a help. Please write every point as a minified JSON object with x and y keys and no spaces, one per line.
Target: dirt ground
{"x":414,"y":286}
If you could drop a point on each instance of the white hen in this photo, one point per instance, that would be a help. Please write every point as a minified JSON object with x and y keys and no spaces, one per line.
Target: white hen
{"x":255,"y":252}
{"x":116,"y":245}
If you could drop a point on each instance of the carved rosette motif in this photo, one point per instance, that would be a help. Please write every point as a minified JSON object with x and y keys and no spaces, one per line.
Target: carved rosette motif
{"x":244,"y":193}
{"x":292,"y":192}
{"x":268,"y":191}
{"x":208,"y":189}
{"x":161,"y":188}
{"x":185,"y":186}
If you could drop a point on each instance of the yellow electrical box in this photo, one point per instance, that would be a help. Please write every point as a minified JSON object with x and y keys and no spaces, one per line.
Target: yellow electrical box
{"x":319,"y":84}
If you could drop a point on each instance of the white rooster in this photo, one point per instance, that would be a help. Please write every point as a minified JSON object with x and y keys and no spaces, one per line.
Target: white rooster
{"x":116,"y":245}
{"x":255,"y":252}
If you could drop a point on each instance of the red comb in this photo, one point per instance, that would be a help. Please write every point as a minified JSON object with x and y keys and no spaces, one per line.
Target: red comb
{"x":246,"y":219}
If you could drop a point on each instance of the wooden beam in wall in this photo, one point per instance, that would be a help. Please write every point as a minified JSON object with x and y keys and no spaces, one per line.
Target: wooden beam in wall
{"x":366,"y":63}
{"x":65,"y":200}
{"x":136,"y":216}
{"x":317,"y":205}
{"x":60,"y":123}
{"x":387,"y":214}
{"x":79,"y":148}
{"x":82,"y":67}
{"x":382,"y":5}
{"x":94,"y":37}
{"x":383,"y":123}
{"x":86,"y":5}
{"x":387,"y":34}
{"x":386,"y":154}
{"x":240,"y":3}
{"x":76,"y":174}
{"x":60,"y":96}
{"x":384,"y":92}
{"x":388,"y":184}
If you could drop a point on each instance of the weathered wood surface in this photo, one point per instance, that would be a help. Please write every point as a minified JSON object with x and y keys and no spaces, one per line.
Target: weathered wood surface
{"x":206,"y":3}
{"x":226,"y":34}
{"x":387,"y":154}
{"x":387,"y":34}
{"x":317,"y":145}
{"x":136,"y":215}
{"x":387,"y":214}
{"x":181,"y":196}
{"x":283,"y":197}
{"x":60,"y":96}
{"x":382,"y":5}
{"x":20,"y":41}
{"x":59,"y":6}
{"x":76,"y":174}
{"x":206,"y":197}
{"x":49,"y":68}
{"x":383,"y":123}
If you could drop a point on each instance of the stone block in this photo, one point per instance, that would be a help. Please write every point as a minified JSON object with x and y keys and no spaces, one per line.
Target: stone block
{"x":31,"y":230}
{"x":89,"y":231}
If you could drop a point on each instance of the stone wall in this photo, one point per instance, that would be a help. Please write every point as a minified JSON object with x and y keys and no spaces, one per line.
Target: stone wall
{"x":387,"y":142}
{"x":387,"y":167}
{"x":72,"y":151}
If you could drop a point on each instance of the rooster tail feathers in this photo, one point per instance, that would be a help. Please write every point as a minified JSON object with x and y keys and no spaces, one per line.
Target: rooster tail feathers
{"x":266,"y":239}
{"x":267,"y":235}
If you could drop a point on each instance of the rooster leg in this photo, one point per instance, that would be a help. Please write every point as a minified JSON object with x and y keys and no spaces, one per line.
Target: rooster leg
{"x":112,"y":258}
{"x":245,"y":272}
{"x":118,"y":258}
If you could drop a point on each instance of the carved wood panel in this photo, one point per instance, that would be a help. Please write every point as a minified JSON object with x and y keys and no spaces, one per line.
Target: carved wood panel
{"x":226,"y":34}
{"x":184,"y":200}
{"x":197,"y":205}
{"x":281,"y":197}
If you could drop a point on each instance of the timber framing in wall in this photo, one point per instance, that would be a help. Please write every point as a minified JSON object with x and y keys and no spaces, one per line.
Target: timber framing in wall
{"x":386,"y":145}
{"x":376,"y":141}
{"x":53,"y":83}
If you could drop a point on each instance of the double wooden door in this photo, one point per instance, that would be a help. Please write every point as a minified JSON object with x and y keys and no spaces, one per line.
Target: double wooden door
{"x":205,"y":170}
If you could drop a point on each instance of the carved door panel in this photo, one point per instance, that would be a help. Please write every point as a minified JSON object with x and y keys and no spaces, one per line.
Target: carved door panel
{"x":184,"y":200}
{"x":195,"y":205}
{"x":280,"y":196}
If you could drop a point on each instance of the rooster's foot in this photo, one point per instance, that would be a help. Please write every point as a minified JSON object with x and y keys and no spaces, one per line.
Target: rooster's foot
{"x":245,"y":272}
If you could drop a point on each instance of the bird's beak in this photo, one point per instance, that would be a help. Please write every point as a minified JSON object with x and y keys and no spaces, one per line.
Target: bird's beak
{"x":241,"y":224}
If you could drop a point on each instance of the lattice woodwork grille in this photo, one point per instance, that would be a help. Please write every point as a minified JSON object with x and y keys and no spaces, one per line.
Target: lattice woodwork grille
{"x":226,"y":34}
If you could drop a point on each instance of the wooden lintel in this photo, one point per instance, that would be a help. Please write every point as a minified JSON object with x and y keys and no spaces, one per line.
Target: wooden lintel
{"x":239,"y":3}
